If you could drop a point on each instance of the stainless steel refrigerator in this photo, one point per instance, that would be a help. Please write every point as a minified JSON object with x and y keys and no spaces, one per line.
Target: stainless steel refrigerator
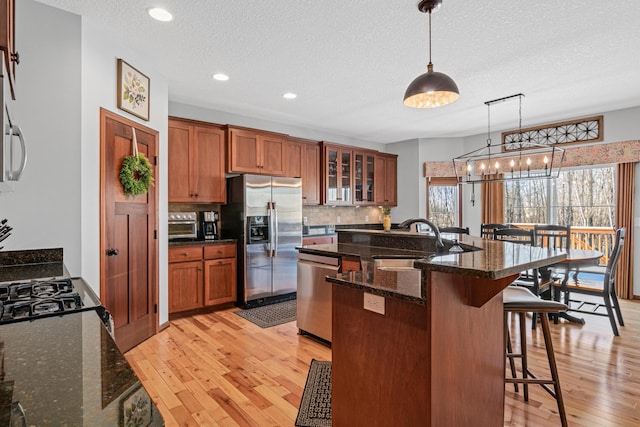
{"x":264,"y":214}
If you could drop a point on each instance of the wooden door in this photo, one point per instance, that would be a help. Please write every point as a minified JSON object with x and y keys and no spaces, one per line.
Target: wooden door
{"x":185,"y":286}
{"x":178,"y":178}
{"x":272,"y":155}
{"x":243,"y":152}
{"x":208,"y":177}
{"x":128,"y":244}
{"x":311,"y":174}
{"x":219,"y":281}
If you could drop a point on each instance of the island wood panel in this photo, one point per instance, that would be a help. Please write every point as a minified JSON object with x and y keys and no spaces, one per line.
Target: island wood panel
{"x":441,"y":364}
{"x":368,"y":351}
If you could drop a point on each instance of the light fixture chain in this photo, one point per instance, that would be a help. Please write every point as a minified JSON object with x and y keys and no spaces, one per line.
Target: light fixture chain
{"x":429,"y":36}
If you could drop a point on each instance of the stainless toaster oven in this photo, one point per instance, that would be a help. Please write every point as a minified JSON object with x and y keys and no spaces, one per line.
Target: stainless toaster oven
{"x":183,"y":225}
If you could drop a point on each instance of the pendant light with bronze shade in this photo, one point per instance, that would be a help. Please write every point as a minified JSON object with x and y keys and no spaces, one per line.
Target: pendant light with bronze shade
{"x":431,"y":89}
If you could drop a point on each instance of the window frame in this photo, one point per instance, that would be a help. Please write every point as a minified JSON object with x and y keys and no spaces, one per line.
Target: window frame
{"x":446,"y":182}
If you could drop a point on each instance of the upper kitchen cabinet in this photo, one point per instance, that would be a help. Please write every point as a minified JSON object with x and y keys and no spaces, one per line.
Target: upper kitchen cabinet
{"x":196,"y":162}
{"x":252,"y":151}
{"x":338,"y":177}
{"x":7,"y":41}
{"x":386,"y":179}
{"x":364,"y":177}
{"x":303,"y":161}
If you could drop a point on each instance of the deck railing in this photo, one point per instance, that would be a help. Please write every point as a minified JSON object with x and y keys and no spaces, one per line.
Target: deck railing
{"x":590,"y":238}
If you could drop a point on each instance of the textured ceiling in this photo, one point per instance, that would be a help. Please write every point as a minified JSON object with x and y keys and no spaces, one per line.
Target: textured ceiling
{"x":350,"y":61}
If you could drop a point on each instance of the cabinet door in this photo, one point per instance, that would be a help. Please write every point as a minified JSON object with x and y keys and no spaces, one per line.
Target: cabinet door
{"x":293,"y":163}
{"x":178,"y":178}
{"x":243,"y":152}
{"x":370,"y":179}
{"x":363,"y":178}
{"x":331,"y":167}
{"x":208,"y":174}
{"x":311,"y":174}
{"x":272,"y":150}
{"x":391,"y":180}
{"x":346,"y":177}
{"x":379,"y":190}
{"x":219,"y":281}
{"x":185,"y":286}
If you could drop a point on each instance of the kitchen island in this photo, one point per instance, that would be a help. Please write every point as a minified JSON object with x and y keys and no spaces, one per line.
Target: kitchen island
{"x":422,"y":344}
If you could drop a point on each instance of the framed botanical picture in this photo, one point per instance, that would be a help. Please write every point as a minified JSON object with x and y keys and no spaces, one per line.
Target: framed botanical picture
{"x":133,"y":91}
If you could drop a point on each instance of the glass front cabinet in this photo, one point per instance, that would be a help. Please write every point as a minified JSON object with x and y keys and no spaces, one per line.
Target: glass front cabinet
{"x":364,"y":178}
{"x":338,"y":175}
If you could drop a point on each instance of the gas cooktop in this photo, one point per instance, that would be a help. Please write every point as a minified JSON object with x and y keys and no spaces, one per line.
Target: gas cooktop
{"x":29,"y":300}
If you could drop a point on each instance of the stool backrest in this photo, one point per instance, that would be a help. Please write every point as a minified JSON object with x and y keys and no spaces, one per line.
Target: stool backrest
{"x":458,"y":230}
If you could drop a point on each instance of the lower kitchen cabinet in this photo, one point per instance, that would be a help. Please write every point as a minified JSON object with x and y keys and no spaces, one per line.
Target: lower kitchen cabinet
{"x":209,"y":281}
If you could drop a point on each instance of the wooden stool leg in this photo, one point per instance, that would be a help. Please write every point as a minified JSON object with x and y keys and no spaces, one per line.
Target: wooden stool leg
{"x":546,"y":330}
{"x":522,"y":320}
{"x":507,"y":337}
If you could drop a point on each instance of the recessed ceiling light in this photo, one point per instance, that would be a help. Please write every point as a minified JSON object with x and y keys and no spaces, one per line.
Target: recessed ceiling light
{"x":289,"y":95}
{"x":221,"y":77}
{"x":160,"y":14}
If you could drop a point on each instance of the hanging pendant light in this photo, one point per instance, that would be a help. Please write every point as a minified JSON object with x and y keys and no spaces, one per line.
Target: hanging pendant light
{"x":431,"y":89}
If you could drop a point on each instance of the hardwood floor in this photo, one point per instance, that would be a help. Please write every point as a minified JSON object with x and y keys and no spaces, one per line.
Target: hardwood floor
{"x":220,"y":369}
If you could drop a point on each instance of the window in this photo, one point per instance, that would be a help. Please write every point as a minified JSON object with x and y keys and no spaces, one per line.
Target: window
{"x":443,"y":201}
{"x":582,"y":197}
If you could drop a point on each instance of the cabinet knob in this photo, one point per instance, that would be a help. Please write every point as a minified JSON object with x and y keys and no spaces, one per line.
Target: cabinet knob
{"x":185,"y":254}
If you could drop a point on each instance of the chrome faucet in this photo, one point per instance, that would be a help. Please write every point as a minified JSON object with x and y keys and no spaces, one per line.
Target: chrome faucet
{"x":407,"y":225}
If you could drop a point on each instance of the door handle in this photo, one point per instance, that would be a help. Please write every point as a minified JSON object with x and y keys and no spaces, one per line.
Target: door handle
{"x":112,"y":252}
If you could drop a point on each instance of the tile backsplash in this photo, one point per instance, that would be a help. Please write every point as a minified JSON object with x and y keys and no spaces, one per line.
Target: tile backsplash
{"x":329,"y":215}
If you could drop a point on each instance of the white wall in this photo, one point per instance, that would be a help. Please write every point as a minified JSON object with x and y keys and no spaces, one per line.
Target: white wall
{"x":44,"y":210}
{"x":100,"y":50}
{"x":67,"y":72}
{"x":221,"y":117}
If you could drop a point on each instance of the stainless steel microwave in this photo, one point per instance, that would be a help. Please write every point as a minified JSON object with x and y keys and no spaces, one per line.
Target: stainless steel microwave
{"x":183,"y":225}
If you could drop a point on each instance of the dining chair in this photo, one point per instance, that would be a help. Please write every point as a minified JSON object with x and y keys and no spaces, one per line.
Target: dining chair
{"x":605,"y":289}
{"x":486,"y":230}
{"x":552,"y":236}
{"x":455,"y":230}
{"x":520,"y":301}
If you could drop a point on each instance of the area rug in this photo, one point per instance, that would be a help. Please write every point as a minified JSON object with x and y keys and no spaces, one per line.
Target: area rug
{"x":270,"y":315}
{"x":315,"y":407}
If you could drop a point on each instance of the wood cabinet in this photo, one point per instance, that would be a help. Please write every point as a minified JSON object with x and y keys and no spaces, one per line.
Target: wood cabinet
{"x":196,"y":162}
{"x":319,"y":240}
{"x":303,"y":160}
{"x":251,"y":151}
{"x":386,"y":179}
{"x":201,"y":276}
{"x":338,"y":178}
{"x":7,"y":41}
{"x":364,"y":179}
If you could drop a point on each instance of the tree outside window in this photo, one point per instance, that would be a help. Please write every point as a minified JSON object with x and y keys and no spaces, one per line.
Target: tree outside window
{"x":443,"y":202}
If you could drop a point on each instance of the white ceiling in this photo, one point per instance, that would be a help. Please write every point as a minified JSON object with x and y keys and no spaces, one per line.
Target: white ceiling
{"x":350,"y":61}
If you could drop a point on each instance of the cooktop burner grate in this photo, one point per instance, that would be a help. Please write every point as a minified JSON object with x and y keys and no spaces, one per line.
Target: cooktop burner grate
{"x":27,"y":300}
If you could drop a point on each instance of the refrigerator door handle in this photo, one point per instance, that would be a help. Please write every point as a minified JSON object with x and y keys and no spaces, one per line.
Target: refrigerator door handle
{"x":271,"y":229}
{"x":275,"y":223}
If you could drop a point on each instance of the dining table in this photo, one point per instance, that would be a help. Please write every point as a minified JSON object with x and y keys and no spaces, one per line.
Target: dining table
{"x":575,"y":260}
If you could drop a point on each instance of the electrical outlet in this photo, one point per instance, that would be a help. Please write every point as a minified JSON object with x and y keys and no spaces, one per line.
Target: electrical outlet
{"x":305,"y":220}
{"x":636,"y":222}
{"x":366,"y":218}
{"x":338,"y":219}
{"x":374,"y":303}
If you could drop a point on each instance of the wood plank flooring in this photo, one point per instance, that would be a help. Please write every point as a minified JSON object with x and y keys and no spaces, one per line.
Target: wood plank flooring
{"x":219,"y":369}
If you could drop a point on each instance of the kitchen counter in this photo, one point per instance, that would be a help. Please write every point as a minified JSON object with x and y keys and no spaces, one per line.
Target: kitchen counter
{"x":483,"y":259}
{"x":67,"y":370}
{"x":190,"y":242}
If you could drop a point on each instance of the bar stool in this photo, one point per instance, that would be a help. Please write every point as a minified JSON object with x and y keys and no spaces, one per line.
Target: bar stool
{"x":520,"y":300}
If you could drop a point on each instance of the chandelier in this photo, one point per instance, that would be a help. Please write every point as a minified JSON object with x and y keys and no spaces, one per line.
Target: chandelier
{"x":518,"y":158}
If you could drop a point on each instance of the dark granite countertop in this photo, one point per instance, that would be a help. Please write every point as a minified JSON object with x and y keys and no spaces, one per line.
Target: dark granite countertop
{"x":483,"y":259}
{"x":67,"y":370}
{"x":191,"y":242}
{"x":32,"y":264}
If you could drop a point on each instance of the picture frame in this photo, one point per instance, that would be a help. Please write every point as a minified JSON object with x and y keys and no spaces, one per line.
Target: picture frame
{"x":135,"y":409}
{"x":134,"y":90}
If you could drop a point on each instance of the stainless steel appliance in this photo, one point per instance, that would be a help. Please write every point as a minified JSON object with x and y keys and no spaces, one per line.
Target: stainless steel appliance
{"x":208,"y":229}
{"x":13,"y":151}
{"x":183,"y":225}
{"x":314,"y":294}
{"x":265,"y":215}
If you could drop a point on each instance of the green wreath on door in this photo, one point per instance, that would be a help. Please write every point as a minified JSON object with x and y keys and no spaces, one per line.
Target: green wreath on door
{"x":136,"y":172}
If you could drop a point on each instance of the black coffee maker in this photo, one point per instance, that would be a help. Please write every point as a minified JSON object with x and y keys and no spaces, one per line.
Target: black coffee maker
{"x":209,"y":225}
